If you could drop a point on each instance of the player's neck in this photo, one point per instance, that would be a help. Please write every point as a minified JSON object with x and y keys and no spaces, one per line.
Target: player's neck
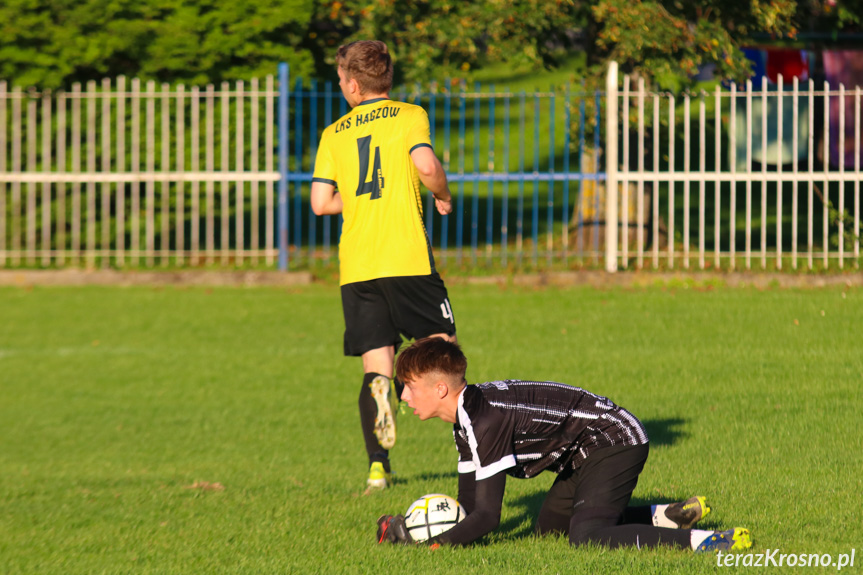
{"x":364,"y":98}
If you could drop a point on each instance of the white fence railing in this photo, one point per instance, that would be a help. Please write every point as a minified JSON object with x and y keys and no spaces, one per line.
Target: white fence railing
{"x":143,"y":175}
{"x":123,"y":174}
{"x":768,"y":175}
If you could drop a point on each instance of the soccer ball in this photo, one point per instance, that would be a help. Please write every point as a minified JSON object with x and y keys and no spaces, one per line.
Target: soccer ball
{"x":431,"y":515}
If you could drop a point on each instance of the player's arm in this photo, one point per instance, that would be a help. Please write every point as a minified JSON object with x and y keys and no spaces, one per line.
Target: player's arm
{"x":433,"y":176}
{"x":482,"y":500}
{"x":325,"y":199}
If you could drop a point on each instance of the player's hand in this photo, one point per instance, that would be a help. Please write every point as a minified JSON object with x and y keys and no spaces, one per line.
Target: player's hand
{"x":392,"y":528}
{"x":444,"y":207}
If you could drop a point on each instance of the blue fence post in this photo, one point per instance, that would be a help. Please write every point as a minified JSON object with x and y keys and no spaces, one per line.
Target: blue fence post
{"x":582,"y":116}
{"x":550,"y":224}
{"x":313,"y":140}
{"x":283,"y":167}
{"x":459,"y":231}
{"x":474,"y":218}
{"x":535,"y":207}
{"x":430,"y":206}
{"x":519,"y":224}
{"x":596,"y":130}
{"x":504,"y":215}
{"x":489,"y":216}
{"x":568,"y":122}
{"x":447,"y":118}
{"x":328,"y":119}
{"x":298,"y":163}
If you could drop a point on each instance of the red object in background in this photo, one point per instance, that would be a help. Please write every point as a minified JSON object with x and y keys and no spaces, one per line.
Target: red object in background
{"x":790,"y":63}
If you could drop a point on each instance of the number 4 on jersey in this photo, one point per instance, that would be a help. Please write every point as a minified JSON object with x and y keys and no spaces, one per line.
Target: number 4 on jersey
{"x":446,"y":310}
{"x":376,"y":184}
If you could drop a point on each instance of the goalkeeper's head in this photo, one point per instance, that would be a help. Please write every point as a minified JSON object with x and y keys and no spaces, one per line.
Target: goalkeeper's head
{"x":433,"y":372}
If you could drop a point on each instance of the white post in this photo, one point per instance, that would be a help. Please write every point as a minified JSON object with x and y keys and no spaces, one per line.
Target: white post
{"x":611,"y":169}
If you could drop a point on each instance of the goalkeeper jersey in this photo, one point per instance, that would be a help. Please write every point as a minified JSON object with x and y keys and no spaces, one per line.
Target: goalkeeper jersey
{"x":366,"y":155}
{"x":525,"y":427}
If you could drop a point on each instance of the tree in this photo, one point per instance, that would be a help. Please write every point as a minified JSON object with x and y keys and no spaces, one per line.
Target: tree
{"x":53,"y":43}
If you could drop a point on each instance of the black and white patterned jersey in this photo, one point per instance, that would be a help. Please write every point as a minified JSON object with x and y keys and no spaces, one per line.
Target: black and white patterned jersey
{"x":525,"y":427}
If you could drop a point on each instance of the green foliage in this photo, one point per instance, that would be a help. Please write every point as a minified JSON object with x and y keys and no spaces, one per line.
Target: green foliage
{"x":451,"y":38}
{"x":53,"y":43}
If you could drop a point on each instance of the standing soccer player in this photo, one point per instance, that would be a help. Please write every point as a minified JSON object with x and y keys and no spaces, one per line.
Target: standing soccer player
{"x":521,"y":428}
{"x":368,"y":168}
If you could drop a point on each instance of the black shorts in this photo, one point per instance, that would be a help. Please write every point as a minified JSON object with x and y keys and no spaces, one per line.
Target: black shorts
{"x":379,"y":311}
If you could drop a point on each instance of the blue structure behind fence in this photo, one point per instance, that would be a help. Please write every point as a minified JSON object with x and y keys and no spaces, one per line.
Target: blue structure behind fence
{"x":513,"y":160}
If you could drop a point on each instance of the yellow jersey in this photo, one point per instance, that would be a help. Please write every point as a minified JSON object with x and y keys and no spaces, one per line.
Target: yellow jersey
{"x":366,"y":155}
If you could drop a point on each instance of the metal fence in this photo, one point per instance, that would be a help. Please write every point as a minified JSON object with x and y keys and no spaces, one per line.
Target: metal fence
{"x":121,"y":174}
{"x":765,"y":177}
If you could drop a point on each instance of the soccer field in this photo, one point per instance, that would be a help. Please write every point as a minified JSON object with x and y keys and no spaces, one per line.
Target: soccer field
{"x":192,"y":430}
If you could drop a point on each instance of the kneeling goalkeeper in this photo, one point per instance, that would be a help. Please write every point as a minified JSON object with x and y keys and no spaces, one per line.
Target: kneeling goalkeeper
{"x":521,"y":428}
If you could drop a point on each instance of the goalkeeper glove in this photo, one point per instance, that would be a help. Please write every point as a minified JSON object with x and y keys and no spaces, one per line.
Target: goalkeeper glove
{"x":392,"y":528}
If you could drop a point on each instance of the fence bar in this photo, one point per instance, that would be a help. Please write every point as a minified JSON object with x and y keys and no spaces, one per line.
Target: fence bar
{"x":165,"y":166}
{"x":210,"y":160}
{"x":313,"y":143}
{"x":150,"y":207}
{"x":105,"y":243}
{"x":180,"y":159}
{"x":239,"y":161}
{"x":459,"y":226}
{"x":489,"y":216}
{"x":447,"y":119}
{"x":3,"y":144}
{"x":779,"y":162}
{"x":61,"y":189}
{"x":76,"y":167}
{"x":623,"y":180}
{"x":841,"y":222}
{"x":857,"y":153}
{"x":639,"y":195}
{"x":254,"y":139}
{"x":32,"y":133}
{"x":611,"y":167}
{"x":732,"y":166}
{"x":764,"y":172}
{"x":135,"y":243}
{"x":298,"y":163}
{"x":474,"y":216}
{"x":283,"y":166}
{"x":687,"y":153}
{"x":795,"y":133}
{"x":534,"y":219}
{"x":269,"y":226}
{"x":596,"y":146}
{"x":566,"y":137}
{"x":91,"y":167}
{"x":672,"y":120}
{"x":224,"y":166}
{"x":120,"y":166}
{"x":46,"y":186}
{"x":811,"y":172}
{"x":825,"y":200}
{"x":581,"y":142}
{"x":550,"y":200}
{"x":504,"y":207}
{"x":702,"y":158}
{"x":195,"y":164}
{"x":748,"y":228}
{"x":717,"y":186}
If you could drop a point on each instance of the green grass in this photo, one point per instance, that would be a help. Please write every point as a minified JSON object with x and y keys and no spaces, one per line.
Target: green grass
{"x":116,"y":400}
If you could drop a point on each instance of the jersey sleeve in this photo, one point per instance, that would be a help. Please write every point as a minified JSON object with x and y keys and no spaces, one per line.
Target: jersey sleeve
{"x":418,"y":134}
{"x":325,"y":166}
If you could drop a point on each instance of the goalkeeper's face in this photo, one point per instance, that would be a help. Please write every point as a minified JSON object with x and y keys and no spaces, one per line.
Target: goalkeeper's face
{"x":426,"y":395}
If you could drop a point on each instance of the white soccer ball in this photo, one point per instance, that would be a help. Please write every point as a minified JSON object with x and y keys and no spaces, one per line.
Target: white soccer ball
{"x":431,"y":515}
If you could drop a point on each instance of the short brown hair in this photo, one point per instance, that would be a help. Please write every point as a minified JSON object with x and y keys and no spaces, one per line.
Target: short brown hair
{"x":369,"y":63}
{"x":431,"y":355}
